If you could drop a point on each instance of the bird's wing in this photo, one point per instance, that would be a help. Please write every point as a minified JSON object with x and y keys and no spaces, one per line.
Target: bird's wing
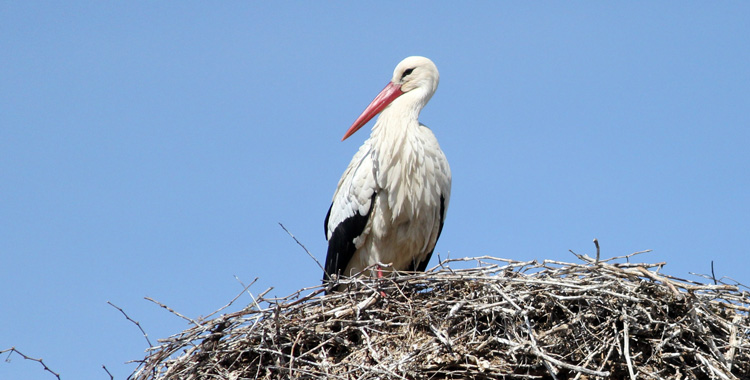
{"x":421,"y":266}
{"x":350,"y":211}
{"x":441,"y":172}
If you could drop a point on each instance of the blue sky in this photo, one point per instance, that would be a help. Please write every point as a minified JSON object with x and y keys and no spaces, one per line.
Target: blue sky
{"x":152,"y":148}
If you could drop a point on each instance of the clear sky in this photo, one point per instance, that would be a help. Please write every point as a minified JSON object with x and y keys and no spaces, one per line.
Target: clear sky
{"x":152,"y":148}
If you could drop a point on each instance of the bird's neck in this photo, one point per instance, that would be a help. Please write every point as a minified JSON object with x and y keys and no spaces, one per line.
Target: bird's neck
{"x":393,"y":130}
{"x":399,"y":119}
{"x":398,"y":142}
{"x":395,"y":153}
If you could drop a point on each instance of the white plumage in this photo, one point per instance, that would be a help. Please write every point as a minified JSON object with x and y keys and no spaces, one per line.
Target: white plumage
{"x":391,"y":201}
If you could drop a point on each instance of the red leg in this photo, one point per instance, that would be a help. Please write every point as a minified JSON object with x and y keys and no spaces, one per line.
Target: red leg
{"x":380,"y":275}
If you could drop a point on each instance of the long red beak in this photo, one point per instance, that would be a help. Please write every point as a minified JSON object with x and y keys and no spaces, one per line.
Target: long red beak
{"x":384,"y":98}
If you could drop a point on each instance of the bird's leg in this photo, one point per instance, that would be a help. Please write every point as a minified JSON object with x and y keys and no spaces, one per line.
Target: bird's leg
{"x":380,"y":275}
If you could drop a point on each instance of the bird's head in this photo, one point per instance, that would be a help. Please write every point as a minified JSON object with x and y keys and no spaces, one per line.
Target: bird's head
{"x":417,"y":74}
{"x":415,"y":80}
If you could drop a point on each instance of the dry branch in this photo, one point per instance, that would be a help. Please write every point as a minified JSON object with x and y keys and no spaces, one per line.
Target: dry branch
{"x":502,"y":319}
{"x":26,"y":357}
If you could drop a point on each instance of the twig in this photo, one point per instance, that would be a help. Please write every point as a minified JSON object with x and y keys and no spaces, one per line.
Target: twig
{"x":373,"y":352}
{"x":713,"y":368}
{"x":713,"y":275}
{"x":628,"y":256}
{"x":40,"y":361}
{"x":545,"y":358}
{"x":663,"y":280}
{"x":733,"y":342}
{"x":572,"y":367}
{"x":134,"y":321}
{"x":233,"y":299}
{"x":108,"y":373}
{"x":596,"y":243}
{"x":173,"y":311}
{"x":305,"y":248}
{"x":626,"y":343}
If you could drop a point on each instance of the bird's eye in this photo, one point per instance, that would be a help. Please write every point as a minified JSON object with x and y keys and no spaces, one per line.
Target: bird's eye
{"x":406,"y":72}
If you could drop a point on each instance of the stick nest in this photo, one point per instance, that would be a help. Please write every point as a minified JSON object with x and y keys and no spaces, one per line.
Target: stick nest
{"x":503,"y":319}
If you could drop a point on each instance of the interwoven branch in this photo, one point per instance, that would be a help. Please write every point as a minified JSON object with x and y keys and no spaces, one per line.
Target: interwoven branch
{"x":502,"y":319}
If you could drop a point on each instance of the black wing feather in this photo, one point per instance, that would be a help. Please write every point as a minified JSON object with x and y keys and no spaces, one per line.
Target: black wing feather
{"x":341,"y":246}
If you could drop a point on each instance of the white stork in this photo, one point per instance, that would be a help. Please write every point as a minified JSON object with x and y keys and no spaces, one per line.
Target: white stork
{"x":391,"y":202}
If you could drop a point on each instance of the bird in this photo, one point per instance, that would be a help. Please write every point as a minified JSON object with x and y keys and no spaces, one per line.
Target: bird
{"x":390,"y":204}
